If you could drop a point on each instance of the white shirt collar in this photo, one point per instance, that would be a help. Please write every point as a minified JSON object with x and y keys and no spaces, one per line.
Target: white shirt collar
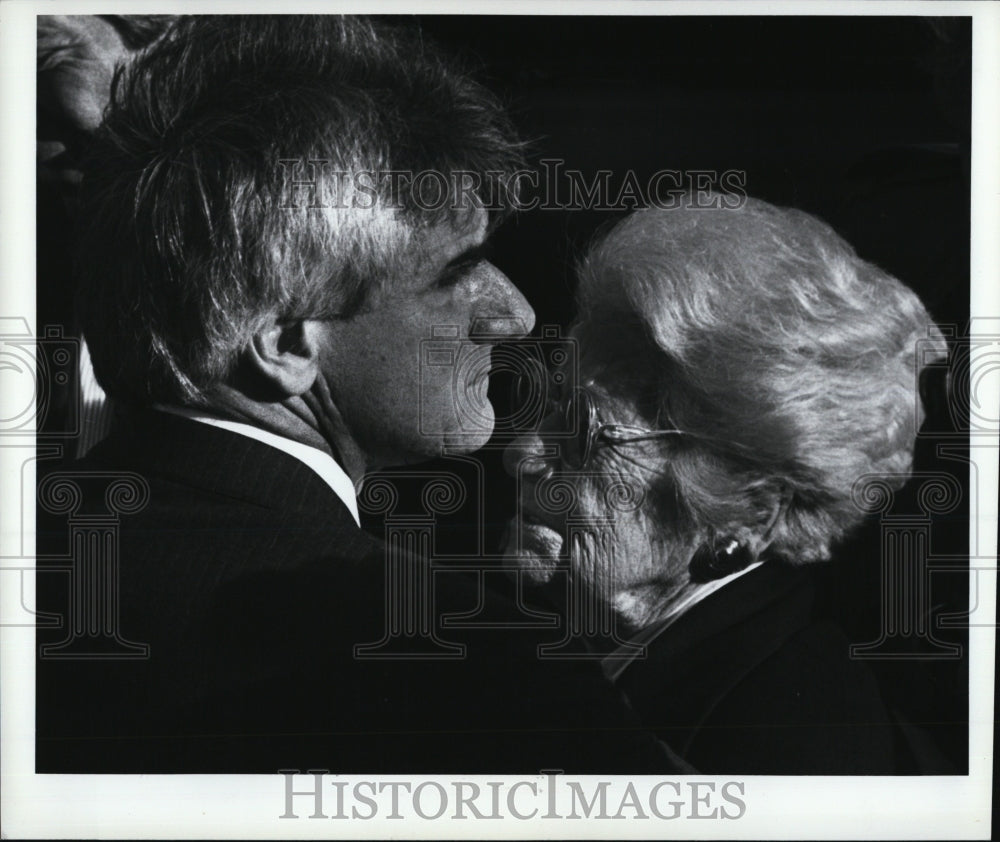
{"x":319,"y":461}
{"x":614,"y":663}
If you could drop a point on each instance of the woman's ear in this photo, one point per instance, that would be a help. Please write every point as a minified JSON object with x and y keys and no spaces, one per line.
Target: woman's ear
{"x":720,"y":557}
{"x":776,"y":524}
{"x":738,"y":546}
{"x":286,"y":356}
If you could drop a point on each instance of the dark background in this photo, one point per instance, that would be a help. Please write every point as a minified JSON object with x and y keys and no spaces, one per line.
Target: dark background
{"x":863,"y":121}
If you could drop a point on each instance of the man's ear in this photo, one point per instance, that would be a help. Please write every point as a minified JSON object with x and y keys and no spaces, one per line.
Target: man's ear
{"x":286,"y":355}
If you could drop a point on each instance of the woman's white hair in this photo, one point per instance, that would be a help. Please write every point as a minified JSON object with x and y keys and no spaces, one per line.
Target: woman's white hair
{"x":791,"y":362}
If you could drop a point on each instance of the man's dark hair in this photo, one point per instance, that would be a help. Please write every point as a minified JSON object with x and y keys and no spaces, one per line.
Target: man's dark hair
{"x":194,"y":231}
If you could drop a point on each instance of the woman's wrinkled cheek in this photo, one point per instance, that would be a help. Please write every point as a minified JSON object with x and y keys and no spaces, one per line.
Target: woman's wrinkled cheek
{"x":617,"y":554}
{"x":592,"y":558}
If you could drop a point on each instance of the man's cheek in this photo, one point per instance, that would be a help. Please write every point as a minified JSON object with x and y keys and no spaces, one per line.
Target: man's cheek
{"x":436,"y":395}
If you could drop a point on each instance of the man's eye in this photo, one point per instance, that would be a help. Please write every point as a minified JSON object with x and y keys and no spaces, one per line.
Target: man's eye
{"x":449,"y":278}
{"x":454,"y":274}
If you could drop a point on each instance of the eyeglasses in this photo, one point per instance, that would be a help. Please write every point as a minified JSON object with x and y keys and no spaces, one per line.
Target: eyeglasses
{"x":578,"y":411}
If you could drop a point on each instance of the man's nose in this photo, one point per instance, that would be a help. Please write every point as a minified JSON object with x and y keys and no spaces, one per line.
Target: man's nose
{"x":527,"y":455}
{"x":502,"y":313}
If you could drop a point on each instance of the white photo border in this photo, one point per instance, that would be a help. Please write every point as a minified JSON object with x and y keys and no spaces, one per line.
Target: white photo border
{"x":250,"y":806}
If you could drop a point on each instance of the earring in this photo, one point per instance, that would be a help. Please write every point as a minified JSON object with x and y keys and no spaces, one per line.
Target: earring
{"x":718,"y":559}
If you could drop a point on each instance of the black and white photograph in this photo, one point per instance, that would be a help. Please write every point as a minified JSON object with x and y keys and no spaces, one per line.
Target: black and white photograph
{"x":499,"y":420}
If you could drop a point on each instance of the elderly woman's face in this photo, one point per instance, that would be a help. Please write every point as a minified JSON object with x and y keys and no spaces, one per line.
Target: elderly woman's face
{"x":604,"y":519}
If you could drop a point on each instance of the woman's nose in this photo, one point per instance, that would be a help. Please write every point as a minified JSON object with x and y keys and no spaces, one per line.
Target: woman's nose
{"x":527,"y":455}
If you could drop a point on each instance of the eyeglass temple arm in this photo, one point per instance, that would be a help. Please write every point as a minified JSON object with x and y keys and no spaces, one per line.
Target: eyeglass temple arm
{"x":624,"y":433}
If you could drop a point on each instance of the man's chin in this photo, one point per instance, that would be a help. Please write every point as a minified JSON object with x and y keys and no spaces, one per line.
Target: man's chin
{"x":433,"y":445}
{"x":534,"y":550}
{"x":468,"y":437}
{"x":472,"y":419}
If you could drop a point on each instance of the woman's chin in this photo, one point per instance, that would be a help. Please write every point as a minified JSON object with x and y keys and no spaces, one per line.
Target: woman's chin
{"x":533,"y":549}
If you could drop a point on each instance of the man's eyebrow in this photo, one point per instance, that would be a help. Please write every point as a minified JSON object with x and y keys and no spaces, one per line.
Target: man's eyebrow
{"x":470,"y":255}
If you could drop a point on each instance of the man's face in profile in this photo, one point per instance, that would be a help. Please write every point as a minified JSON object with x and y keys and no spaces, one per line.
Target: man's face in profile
{"x":410,"y":372}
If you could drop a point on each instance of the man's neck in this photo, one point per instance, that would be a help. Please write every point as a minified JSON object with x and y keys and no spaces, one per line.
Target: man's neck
{"x":295,"y":418}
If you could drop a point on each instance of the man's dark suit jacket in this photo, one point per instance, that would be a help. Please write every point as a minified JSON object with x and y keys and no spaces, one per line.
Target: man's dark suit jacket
{"x":251,"y":584}
{"x":752,"y":681}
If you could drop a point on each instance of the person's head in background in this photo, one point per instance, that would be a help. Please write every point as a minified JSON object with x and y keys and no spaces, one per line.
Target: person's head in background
{"x":213,"y":277}
{"x":77,"y":58}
